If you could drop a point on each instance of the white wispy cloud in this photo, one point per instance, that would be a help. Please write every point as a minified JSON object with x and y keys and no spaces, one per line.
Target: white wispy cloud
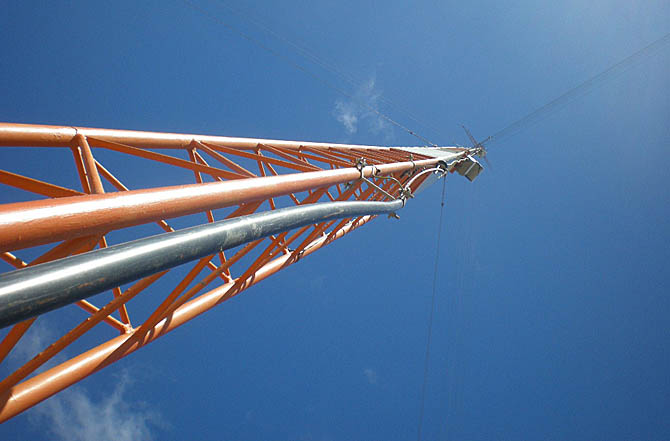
{"x":35,"y":340}
{"x":370,"y":375}
{"x":73,"y":414}
{"x":357,"y":111}
{"x":347,"y":113}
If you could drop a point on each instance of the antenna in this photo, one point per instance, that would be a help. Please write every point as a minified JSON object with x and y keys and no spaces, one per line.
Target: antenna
{"x":478,"y":147}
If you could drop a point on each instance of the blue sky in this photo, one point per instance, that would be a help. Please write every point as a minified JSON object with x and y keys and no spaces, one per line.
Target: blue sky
{"x":552,"y":302}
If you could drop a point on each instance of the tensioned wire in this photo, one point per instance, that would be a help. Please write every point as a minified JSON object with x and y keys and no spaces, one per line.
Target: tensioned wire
{"x":303,"y":69}
{"x":512,"y":129}
{"x":327,"y":65}
{"x":610,"y":73}
{"x":432,"y":311}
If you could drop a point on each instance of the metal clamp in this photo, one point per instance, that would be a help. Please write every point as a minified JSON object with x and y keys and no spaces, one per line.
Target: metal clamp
{"x":405,"y":192}
{"x":360,"y":165}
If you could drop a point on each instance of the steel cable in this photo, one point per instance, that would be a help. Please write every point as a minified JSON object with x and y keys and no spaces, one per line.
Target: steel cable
{"x":306,"y":71}
{"x":610,"y":73}
{"x":430,"y":318}
{"x":327,"y":65}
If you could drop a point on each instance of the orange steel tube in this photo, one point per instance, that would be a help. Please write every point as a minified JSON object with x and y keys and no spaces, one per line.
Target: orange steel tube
{"x":13,"y":337}
{"x":92,"y":309}
{"x":35,"y":186}
{"x":13,"y":260}
{"x":123,"y":311}
{"x":210,"y":215}
{"x":353,"y":157}
{"x":223,"y":160}
{"x":289,"y":157}
{"x":269,"y":159}
{"x":76,"y":332}
{"x":94,"y":181}
{"x":166,"y":159}
{"x":85,"y":217}
{"x":156,"y":316}
{"x":330,"y":159}
{"x":79,"y":163}
{"x":70,"y":246}
{"x":40,"y":387}
{"x":18,"y":135}
{"x":46,"y":221}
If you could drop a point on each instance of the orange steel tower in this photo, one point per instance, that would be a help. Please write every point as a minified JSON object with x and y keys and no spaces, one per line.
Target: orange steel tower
{"x":187,"y":180}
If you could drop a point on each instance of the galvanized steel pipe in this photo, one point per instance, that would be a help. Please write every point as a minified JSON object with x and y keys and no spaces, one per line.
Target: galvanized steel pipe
{"x":32,"y":291}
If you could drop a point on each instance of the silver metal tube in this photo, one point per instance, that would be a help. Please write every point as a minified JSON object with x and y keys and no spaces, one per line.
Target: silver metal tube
{"x":35,"y":290}
{"x":430,"y":170}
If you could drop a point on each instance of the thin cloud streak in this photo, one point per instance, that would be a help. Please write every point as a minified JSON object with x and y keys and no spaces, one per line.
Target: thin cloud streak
{"x":38,"y":337}
{"x":370,"y":375}
{"x":352,"y":113}
{"x":73,"y":415}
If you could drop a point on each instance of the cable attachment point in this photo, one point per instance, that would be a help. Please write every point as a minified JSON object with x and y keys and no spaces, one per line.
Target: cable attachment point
{"x":406,"y":193}
{"x":393,"y":216}
{"x":381,"y":190}
{"x":360,"y":164}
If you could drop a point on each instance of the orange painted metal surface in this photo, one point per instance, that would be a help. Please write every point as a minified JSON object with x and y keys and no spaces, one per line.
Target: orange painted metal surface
{"x":57,"y":219}
{"x":30,"y":135}
{"x":19,"y":398}
{"x":94,"y":182}
{"x":288,"y":173}
{"x":36,"y":186}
